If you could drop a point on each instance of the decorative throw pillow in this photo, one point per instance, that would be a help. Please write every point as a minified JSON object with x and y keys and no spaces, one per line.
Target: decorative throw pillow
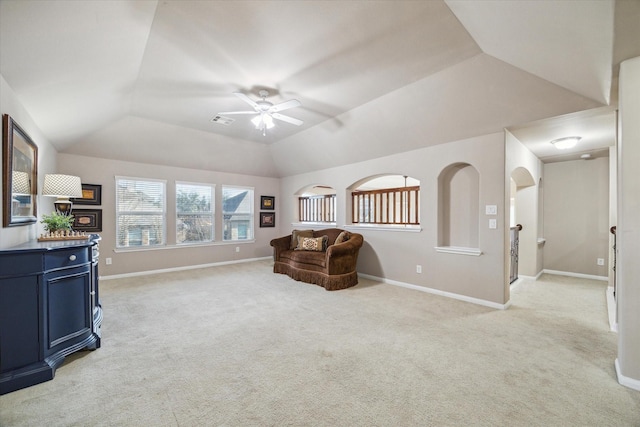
{"x":342,"y":237}
{"x":301,"y":233}
{"x":317,"y":244}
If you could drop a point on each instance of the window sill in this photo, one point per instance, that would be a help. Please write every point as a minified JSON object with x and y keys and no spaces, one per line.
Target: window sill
{"x":180,"y":246}
{"x":376,"y":227}
{"x":458,"y":250}
{"x":313,"y":224}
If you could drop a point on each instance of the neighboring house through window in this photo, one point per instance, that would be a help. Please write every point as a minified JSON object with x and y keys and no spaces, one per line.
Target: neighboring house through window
{"x":194,"y":213}
{"x":237,"y":213}
{"x":140,"y":212}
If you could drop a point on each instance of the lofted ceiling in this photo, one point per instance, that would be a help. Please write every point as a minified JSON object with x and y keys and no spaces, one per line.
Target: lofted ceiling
{"x":141,"y":80}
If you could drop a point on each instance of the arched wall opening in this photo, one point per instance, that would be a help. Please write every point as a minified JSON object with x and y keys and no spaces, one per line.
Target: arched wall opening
{"x":315,"y":203}
{"x":525,"y":212}
{"x":386,"y":199}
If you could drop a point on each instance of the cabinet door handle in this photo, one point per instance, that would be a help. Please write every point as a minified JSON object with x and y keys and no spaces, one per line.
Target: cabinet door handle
{"x":72,"y":258}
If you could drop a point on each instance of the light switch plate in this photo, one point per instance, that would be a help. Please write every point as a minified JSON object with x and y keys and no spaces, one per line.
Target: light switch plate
{"x":491,"y":210}
{"x":493,"y":223}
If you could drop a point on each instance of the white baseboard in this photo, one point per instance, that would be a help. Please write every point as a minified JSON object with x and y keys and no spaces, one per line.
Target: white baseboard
{"x":579,"y":275}
{"x":626,"y":381}
{"x":438,"y":292}
{"x":189,"y":267}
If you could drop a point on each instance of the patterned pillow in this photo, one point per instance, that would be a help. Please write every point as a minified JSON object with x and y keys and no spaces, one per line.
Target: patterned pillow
{"x":296,"y":233}
{"x":342,"y":237}
{"x":317,"y":244}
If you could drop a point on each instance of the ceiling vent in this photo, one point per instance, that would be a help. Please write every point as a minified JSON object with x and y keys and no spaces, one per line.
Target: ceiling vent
{"x":223,"y":120}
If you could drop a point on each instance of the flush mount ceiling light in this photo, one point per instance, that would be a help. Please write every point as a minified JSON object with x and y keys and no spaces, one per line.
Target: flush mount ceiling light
{"x":564,"y":143}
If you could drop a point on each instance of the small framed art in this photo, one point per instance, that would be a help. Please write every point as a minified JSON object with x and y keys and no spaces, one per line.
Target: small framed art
{"x":91,"y":195}
{"x":267,"y":219}
{"x":267,"y":203}
{"x":87,"y":220}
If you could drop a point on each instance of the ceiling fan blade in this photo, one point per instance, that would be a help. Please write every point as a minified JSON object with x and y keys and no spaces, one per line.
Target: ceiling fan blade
{"x":287,"y":119}
{"x":226,"y":113}
{"x":246,"y":99}
{"x":285,"y":105}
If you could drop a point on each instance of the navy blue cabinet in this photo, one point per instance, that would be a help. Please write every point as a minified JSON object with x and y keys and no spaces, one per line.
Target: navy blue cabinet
{"x":49,"y":308}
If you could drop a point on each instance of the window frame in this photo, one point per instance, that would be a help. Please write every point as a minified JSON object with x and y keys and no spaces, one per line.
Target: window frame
{"x":212,"y":212}
{"x":119,"y":213}
{"x":250,"y":215}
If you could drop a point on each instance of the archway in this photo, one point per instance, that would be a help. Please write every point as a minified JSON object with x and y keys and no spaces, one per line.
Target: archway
{"x":523,"y":222}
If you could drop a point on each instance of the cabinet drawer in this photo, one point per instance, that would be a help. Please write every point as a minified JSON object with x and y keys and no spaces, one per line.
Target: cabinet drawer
{"x":18,"y":264}
{"x":65,"y":258}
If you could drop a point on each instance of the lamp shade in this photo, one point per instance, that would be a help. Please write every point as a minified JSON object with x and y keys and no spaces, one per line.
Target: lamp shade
{"x":57,"y":185}
{"x":20,"y":183}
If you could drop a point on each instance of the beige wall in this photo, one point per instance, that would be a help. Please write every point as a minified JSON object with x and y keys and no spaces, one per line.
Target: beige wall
{"x":526,"y":169}
{"x":628,"y":229}
{"x":576,"y":212}
{"x":393,"y":255}
{"x":9,"y":104}
{"x":103,"y":172}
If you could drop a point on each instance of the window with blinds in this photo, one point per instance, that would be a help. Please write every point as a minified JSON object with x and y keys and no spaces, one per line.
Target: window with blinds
{"x":194,"y":213}
{"x":237,"y":213}
{"x":140,"y":212}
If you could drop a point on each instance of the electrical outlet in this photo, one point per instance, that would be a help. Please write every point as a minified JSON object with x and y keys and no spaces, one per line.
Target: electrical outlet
{"x":109,"y":261}
{"x":493,"y":224}
{"x":600,"y":261}
{"x":237,"y":248}
{"x":419,"y":269}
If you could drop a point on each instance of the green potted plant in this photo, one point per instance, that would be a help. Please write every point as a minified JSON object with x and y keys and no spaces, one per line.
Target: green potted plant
{"x":57,"y":222}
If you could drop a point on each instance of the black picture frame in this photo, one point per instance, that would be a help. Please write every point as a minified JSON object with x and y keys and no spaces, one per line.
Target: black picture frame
{"x":19,"y":169}
{"x":267,"y":219}
{"x":87,"y":220}
{"x":267,"y":203}
{"x":91,"y":195}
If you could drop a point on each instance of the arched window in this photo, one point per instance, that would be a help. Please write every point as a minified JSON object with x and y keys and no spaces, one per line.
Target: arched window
{"x":388,"y":200}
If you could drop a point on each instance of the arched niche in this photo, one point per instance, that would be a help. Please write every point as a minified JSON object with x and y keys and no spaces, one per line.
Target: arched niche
{"x":458,"y":206}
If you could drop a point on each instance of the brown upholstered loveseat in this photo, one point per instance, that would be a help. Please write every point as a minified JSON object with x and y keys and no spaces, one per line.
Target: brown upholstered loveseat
{"x":333,"y":268}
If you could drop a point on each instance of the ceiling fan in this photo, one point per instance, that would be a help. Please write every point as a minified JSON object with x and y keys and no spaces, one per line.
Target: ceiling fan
{"x":266,"y":111}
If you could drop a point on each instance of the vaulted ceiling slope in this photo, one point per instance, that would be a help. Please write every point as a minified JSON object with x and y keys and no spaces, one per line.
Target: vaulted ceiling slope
{"x":141,"y":80}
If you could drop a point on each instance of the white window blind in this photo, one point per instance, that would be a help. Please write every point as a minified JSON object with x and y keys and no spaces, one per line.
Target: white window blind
{"x":140,"y":212}
{"x":237,"y":213}
{"x":194,"y":213}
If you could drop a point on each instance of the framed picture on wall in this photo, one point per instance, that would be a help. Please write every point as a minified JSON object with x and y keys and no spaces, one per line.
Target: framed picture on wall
{"x":267,"y":203}
{"x":91,"y":195}
{"x":19,"y":175}
{"x":87,"y":220}
{"x":267,"y":219}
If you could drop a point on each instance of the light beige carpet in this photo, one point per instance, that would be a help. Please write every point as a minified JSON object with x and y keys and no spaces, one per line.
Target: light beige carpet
{"x":240,"y":346}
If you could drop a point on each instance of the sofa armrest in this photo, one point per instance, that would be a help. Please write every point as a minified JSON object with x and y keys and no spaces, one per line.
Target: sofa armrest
{"x":342,"y":258}
{"x":280,"y":244}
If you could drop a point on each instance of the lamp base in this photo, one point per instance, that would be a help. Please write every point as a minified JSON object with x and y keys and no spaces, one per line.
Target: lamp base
{"x":63,"y":206}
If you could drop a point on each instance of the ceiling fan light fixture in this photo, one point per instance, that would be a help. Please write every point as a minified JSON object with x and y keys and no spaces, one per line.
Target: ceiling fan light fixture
{"x":263,"y":121}
{"x":566,"y":143}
